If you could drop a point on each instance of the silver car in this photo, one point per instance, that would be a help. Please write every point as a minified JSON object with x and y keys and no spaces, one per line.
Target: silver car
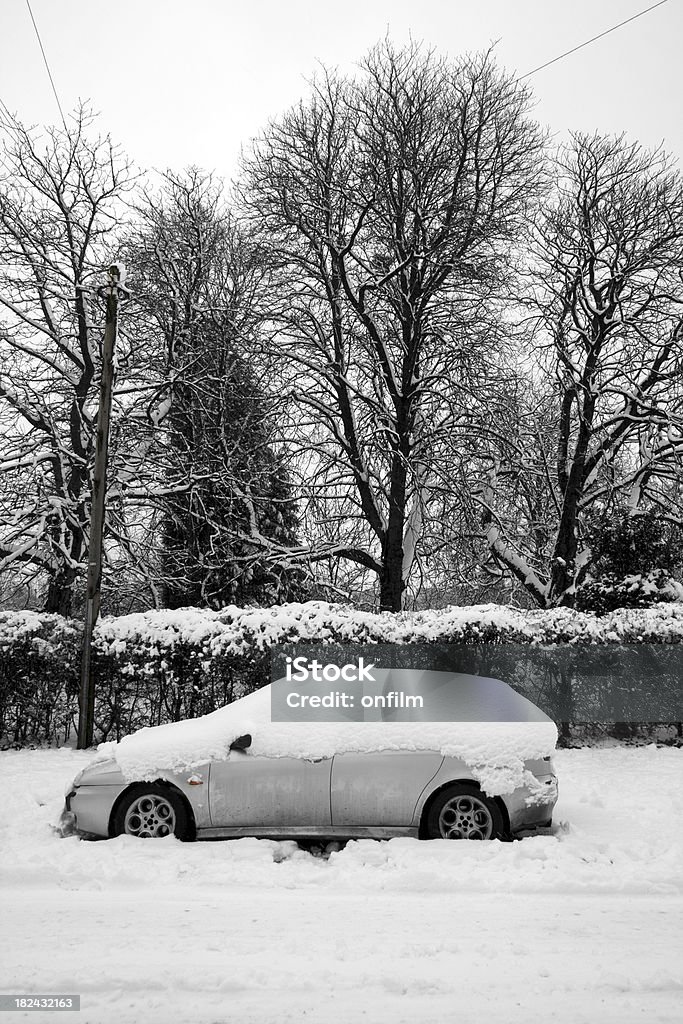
{"x":377,"y":795}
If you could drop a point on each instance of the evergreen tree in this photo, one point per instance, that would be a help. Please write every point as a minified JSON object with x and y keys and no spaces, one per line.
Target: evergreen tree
{"x":225,"y":512}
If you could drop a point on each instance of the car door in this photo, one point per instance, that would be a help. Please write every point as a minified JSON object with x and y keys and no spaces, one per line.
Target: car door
{"x":246,"y":790}
{"x":380,"y":788}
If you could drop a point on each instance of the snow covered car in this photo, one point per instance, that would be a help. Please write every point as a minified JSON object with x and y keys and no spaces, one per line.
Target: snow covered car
{"x":236,"y":773}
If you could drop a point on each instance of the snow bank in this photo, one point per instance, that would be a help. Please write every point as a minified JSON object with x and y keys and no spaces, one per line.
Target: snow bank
{"x":599,"y":845}
{"x":583,"y":925}
{"x":495,"y":751}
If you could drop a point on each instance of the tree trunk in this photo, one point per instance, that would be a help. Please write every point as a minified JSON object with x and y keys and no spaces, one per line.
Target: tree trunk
{"x":391,"y":582}
{"x":391,"y":578}
{"x":563,"y":572}
{"x":563,"y":568}
{"x":60,"y":592}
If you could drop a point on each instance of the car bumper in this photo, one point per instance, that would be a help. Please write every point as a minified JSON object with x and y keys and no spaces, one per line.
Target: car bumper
{"x":87,"y":810}
{"x":66,"y":826}
{"x":530,"y":809}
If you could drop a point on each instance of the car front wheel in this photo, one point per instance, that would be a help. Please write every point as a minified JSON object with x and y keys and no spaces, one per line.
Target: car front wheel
{"x":151,"y":811}
{"x":463,"y":812}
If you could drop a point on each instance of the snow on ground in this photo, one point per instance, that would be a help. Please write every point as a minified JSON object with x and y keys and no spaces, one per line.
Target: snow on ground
{"x":585,"y":925}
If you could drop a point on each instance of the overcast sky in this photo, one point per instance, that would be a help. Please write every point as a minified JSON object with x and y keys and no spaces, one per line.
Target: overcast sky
{"x":179,"y":83}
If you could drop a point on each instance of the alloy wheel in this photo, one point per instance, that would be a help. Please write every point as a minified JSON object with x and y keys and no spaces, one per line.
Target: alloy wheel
{"x":150,"y":817}
{"x":465,"y":817}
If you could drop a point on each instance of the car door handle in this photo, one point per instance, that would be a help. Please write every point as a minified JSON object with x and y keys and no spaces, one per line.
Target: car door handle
{"x":314,"y":760}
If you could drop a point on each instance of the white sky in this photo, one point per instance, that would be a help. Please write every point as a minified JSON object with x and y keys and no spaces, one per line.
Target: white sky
{"x":179,"y":83}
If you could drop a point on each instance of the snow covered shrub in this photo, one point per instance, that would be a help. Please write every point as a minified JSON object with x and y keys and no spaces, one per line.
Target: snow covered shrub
{"x":642,"y":590}
{"x":39,"y":662}
{"x":636,"y":544}
{"x":635,"y":560}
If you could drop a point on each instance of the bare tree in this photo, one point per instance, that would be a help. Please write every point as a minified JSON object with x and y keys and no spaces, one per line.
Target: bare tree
{"x":60,"y":202}
{"x":599,"y":423}
{"x":389,"y":204}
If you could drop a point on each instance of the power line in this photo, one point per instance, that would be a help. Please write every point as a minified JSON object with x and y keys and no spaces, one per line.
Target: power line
{"x":588,"y":41}
{"x":47,"y":66}
{"x":528,"y":74}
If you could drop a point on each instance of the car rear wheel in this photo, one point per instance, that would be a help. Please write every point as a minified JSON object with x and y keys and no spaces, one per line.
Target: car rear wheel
{"x":463,"y":812}
{"x":151,"y":811}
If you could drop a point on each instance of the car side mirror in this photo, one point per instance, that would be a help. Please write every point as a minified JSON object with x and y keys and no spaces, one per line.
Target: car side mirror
{"x":241,"y":743}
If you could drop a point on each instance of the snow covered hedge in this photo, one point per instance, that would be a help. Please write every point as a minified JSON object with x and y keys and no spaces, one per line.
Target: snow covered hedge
{"x":163,"y":666}
{"x":39,"y":658}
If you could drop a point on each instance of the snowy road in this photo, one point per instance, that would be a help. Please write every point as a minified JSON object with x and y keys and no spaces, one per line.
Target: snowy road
{"x":585,"y":925}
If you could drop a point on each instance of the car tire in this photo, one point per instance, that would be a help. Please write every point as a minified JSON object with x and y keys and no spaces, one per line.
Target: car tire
{"x":151,"y":810}
{"x":462,"y":811}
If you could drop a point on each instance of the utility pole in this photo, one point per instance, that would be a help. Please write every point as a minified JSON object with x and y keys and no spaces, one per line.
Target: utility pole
{"x":111,"y":293}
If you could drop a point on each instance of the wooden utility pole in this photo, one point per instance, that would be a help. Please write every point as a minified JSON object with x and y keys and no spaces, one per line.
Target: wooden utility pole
{"x":111,"y":293}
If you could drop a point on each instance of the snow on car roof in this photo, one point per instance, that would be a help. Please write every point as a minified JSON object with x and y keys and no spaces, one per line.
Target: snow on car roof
{"x":494,"y":751}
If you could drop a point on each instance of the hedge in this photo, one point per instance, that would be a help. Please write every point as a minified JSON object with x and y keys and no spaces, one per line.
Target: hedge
{"x":162,"y":666}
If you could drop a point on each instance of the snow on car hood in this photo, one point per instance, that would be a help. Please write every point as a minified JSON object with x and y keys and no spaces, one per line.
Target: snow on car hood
{"x":494,"y":751}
